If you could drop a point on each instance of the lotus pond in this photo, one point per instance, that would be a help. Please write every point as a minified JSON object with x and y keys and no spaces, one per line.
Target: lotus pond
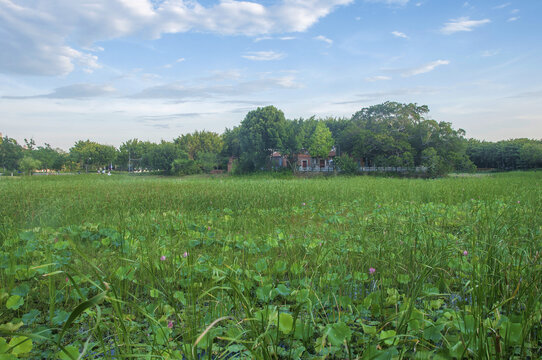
{"x":266,"y":268}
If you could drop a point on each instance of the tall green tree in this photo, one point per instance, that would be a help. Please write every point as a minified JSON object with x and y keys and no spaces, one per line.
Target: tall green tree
{"x":200,"y":142}
{"x":131,"y":153}
{"x":49,"y":158}
{"x":28,"y":164}
{"x":91,"y":154}
{"x":10,"y":153}
{"x":161,"y":156}
{"x":261,"y":132}
{"x":321,"y":141}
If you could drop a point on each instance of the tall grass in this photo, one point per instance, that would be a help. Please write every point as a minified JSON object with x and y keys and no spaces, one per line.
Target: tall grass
{"x":271,"y":268}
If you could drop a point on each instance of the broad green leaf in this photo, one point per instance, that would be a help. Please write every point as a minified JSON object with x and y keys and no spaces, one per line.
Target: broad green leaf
{"x":70,"y":352}
{"x":20,"y":345}
{"x":21,"y":290}
{"x":388,"y":337}
{"x":3,"y":346}
{"x":433,"y":332}
{"x":368,"y":329}
{"x":511,"y":332}
{"x":286,"y":322}
{"x":11,"y":327}
{"x":337,"y":333}
{"x":14,"y":302}
{"x":283,"y":290}
{"x":457,"y":350}
{"x":30,"y":317}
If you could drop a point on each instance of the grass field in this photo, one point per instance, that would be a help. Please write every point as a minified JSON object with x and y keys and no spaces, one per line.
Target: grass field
{"x":259,"y":268}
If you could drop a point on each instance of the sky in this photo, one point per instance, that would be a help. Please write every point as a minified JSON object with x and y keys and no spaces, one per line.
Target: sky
{"x":114,"y":70}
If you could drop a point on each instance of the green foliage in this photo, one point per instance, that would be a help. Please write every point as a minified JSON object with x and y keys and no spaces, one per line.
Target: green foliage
{"x":347,"y":165}
{"x":185,"y":166}
{"x":28,"y":164}
{"x":89,"y":153}
{"x":506,"y":155}
{"x":320,"y":142}
{"x":162,"y":156}
{"x":10,"y":153}
{"x":131,"y":153}
{"x":530,"y":155}
{"x":200,"y":142}
{"x":260,"y":133}
{"x":258,"y":267}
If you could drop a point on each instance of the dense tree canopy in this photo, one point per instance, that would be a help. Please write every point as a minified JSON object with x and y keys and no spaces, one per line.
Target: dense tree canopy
{"x":261,"y":133}
{"x":385,"y":135}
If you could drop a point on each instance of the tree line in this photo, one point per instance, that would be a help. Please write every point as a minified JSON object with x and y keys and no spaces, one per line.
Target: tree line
{"x":385,"y":135}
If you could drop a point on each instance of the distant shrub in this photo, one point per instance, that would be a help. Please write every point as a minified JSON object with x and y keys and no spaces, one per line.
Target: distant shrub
{"x":347,"y":165}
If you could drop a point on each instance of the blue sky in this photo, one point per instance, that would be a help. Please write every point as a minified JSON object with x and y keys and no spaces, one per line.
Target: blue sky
{"x":112,"y":70}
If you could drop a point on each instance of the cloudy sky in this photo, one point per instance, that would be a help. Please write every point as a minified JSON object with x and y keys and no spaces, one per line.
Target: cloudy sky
{"x":112,"y":70}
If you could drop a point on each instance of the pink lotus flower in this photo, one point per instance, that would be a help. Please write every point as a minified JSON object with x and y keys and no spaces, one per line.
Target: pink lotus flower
{"x":163,"y":258}
{"x":372,"y":270}
{"x":67,"y":279}
{"x":302,"y":204}
{"x":465,"y":253}
{"x":185,"y":254}
{"x":170,"y":324}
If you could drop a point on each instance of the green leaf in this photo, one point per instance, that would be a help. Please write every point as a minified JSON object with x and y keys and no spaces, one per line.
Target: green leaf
{"x":60,"y":317}
{"x":21,"y":290}
{"x":368,"y":329}
{"x":337,"y":333}
{"x":286,"y":323}
{"x":69,"y":353}
{"x":179,"y":295}
{"x":7,"y":357}
{"x":388,"y":337}
{"x":30,"y":317}
{"x":14,"y":302}
{"x":20,"y":345}
{"x":10,"y":327}
{"x":457,"y":350}
{"x":3,"y":346}
{"x":403,"y":279}
{"x":433,"y":332}
{"x":94,"y":301}
{"x":283,"y":290}
{"x":512,"y":332}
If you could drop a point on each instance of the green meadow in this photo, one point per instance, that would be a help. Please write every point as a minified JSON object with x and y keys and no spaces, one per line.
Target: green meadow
{"x":129,"y":267}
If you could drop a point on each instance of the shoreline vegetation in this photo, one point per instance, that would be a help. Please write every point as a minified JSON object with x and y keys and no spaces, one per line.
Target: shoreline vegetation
{"x":398,"y":137}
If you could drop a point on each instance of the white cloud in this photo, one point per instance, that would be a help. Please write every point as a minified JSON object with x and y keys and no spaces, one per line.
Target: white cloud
{"x":180,"y":60}
{"x":489,"y":53}
{"x":424,"y":68}
{"x":502,"y":6}
{"x":390,"y":2}
{"x":75,"y":91}
{"x":377,"y":78}
{"x":283,"y":38}
{"x":179,"y":91}
{"x":324,"y":39}
{"x":514,"y":18}
{"x":399,"y":34}
{"x":462,"y":24}
{"x":263,"y":55}
{"x":34,"y":34}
